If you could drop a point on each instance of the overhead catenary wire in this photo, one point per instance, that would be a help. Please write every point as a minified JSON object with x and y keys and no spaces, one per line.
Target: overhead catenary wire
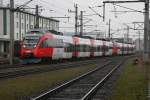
{"x":58,"y":12}
{"x":61,"y":7}
{"x":95,"y":12}
{"x":57,"y":9}
{"x":52,"y":4}
{"x":128,"y":8}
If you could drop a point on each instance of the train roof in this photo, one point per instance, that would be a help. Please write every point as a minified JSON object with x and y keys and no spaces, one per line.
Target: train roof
{"x":42,"y":31}
{"x":37,"y":30}
{"x":85,"y":37}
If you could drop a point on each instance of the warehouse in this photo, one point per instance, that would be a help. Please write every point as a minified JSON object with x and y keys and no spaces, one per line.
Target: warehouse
{"x":23,"y":21}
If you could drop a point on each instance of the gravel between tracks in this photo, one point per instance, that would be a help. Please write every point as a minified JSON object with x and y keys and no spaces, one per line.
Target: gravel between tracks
{"x":78,"y":89}
{"x":105,"y":92}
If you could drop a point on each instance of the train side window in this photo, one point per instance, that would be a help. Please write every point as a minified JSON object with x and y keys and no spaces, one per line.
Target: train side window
{"x":69,"y":47}
{"x":51,"y":43}
{"x":83,"y":48}
{"x":54,"y":43}
{"x":95,"y":48}
{"x":78,"y":47}
{"x":88,"y":48}
{"x":106,"y":48}
{"x":43,"y":44}
{"x":92,"y":48}
{"x":99,"y":48}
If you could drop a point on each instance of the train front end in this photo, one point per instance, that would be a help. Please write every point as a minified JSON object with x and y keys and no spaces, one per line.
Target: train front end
{"x":29,"y":47}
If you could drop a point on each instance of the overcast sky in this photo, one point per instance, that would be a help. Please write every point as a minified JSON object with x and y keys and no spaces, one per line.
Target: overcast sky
{"x":59,"y":8}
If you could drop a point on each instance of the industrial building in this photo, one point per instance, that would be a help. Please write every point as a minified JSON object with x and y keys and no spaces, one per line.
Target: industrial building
{"x":23,"y":21}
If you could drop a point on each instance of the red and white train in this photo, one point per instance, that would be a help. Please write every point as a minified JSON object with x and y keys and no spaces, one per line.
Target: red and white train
{"x":41,"y":44}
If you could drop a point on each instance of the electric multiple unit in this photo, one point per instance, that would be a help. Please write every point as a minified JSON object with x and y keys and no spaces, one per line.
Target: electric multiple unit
{"x":48,"y":44}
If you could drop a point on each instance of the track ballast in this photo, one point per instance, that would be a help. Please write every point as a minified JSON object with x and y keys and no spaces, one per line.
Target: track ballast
{"x":45,"y":68}
{"x":83,"y":87}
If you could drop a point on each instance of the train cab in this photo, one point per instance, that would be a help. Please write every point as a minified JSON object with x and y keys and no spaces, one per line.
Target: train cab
{"x":29,"y":44}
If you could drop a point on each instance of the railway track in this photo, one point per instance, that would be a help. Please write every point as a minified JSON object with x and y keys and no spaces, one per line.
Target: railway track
{"x":13,"y":72}
{"x":83,"y":87}
{"x":7,"y":66}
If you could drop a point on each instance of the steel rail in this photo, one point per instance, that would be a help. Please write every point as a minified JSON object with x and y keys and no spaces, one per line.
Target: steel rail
{"x":18,"y":73}
{"x":7,"y":66}
{"x":90,"y":94}
{"x":55,"y":90}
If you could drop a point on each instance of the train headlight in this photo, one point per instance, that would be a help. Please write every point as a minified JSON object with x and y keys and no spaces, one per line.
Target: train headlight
{"x":24,"y":46}
{"x":34,"y":46}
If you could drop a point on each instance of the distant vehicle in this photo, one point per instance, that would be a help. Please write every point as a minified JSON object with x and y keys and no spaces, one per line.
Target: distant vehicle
{"x":52,"y":45}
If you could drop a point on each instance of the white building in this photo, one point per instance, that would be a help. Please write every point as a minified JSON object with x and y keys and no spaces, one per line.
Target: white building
{"x":1,"y":3}
{"x":23,"y":21}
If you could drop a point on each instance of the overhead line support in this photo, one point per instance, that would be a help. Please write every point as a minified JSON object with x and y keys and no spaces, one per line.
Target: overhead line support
{"x":81,"y":23}
{"x":146,"y":55}
{"x":37,"y":16}
{"x":123,"y":1}
{"x":76,"y":19}
{"x":11,"y":47}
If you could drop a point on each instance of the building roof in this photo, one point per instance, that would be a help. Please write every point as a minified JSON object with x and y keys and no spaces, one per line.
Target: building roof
{"x":17,"y":10}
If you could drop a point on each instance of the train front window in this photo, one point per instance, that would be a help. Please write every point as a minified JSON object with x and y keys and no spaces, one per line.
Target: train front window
{"x":35,"y":32}
{"x":30,"y":43}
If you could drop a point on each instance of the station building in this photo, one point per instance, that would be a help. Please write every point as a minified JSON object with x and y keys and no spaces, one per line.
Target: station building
{"x":23,"y":21}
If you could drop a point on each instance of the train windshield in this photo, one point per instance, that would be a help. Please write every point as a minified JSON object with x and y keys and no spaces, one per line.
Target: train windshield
{"x":36,"y":32}
{"x":30,"y":42}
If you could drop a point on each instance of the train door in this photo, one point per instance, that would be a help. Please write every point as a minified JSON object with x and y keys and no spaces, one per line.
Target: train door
{"x":114,"y":50}
{"x":92,"y":48}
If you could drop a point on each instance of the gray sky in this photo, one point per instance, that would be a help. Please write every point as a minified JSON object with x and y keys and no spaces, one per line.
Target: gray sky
{"x":60,"y":9}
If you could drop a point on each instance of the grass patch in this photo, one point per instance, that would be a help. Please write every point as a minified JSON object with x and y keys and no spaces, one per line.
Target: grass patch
{"x":13,"y":89}
{"x":132,"y":84}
